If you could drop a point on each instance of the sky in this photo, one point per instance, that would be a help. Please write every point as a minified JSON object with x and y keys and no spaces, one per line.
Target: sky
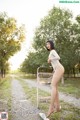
{"x":30,"y":13}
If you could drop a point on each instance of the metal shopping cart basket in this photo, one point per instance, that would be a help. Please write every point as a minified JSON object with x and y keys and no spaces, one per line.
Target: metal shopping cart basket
{"x":44,"y":77}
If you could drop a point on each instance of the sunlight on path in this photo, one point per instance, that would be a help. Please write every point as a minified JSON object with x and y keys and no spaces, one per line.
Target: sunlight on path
{"x":22,"y":109}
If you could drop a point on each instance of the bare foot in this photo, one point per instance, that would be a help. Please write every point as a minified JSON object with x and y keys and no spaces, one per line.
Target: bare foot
{"x":51,"y":110}
{"x":58,"y":109}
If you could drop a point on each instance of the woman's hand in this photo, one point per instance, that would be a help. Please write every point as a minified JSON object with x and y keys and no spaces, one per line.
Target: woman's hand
{"x":49,"y":60}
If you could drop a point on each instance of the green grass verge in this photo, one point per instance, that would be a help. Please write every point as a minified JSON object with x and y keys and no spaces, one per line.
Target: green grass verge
{"x":26,"y":76}
{"x":29,"y":76}
{"x":71,"y":86}
{"x":68,"y":111}
{"x":5,"y":95}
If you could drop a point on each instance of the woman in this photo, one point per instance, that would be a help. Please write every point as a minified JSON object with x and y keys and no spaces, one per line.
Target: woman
{"x":58,"y":73}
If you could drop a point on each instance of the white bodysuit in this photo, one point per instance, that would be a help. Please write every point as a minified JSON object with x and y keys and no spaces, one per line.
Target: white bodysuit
{"x":54,"y":57}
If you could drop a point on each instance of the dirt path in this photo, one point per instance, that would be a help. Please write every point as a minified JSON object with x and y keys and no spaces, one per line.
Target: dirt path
{"x":22,"y":109}
{"x":66,"y":98}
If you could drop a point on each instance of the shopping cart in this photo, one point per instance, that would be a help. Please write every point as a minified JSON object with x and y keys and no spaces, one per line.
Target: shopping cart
{"x":44,"y":76}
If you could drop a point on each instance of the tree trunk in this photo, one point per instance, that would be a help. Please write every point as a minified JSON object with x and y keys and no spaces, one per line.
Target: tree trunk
{"x":68,"y":73}
{"x":2,"y":73}
{"x":62,"y":80}
{"x":74,"y":71}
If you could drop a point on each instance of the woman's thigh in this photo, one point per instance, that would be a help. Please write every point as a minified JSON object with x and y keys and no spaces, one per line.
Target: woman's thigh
{"x":56,"y":77}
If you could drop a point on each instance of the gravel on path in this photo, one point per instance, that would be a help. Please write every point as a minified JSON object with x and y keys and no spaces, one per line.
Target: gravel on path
{"x":65,"y":97}
{"x":22,"y":109}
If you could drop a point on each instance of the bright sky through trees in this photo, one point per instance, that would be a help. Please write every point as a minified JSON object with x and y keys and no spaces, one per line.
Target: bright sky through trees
{"x":30,"y":12}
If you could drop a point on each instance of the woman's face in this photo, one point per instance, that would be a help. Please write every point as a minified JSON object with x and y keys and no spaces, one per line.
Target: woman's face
{"x":48,"y":45}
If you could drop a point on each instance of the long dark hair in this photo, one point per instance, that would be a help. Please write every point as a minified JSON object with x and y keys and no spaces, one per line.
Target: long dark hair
{"x":51,"y":44}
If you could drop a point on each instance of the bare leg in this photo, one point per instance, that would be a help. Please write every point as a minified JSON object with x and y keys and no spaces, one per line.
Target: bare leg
{"x":57,"y":103}
{"x":54,"y":92}
{"x":53,"y":96}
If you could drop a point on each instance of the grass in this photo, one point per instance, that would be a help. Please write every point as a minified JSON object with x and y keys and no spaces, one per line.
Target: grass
{"x":68,"y":112}
{"x":5,"y":95}
{"x":26,"y":76}
{"x":71,"y":86}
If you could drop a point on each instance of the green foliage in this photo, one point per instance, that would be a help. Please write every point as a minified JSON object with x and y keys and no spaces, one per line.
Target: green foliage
{"x":68,"y":111}
{"x":11,"y":37}
{"x":5,"y":95}
{"x":59,"y":26}
{"x":32,"y":62}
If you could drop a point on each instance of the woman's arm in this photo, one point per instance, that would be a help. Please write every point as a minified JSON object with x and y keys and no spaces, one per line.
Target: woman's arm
{"x":49,"y":60}
{"x":53,"y":55}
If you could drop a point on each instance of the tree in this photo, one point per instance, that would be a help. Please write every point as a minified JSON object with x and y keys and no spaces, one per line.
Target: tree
{"x":11,"y":37}
{"x":59,"y":26}
{"x":32,"y":62}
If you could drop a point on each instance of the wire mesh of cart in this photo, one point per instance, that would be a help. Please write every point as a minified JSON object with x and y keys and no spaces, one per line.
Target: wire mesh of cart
{"x":44,"y":77}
